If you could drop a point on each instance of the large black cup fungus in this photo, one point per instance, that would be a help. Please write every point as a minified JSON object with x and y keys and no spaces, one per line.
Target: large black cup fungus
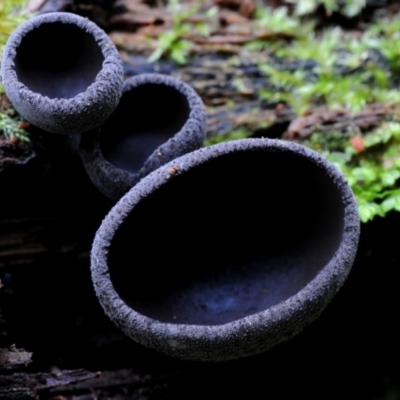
{"x":226,"y":251}
{"x":62,"y":73}
{"x":158,"y":119}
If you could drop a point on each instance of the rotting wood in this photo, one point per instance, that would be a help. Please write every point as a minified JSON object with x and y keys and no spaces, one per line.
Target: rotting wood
{"x":13,"y":358}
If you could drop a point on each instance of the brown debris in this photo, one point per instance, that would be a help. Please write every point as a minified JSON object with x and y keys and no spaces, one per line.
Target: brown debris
{"x":224,"y":119}
{"x":44,"y":381}
{"x":245,"y":7}
{"x":372,"y":115}
{"x":131,"y":42}
{"x":13,"y":358}
{"x":302,"y":126}
{"x":5,"y":105}
{"x":132,"y":21}
{"x":19,"y":242}
{"x":133,"y":6}
{"x":233,"y":28}
{"x":229,"y":17}
{"x":324,"y":119}
{"x":34,"y":5}
{"x":357,"y":143}
{"x":14,"y":152}
{"x":226,"y":39}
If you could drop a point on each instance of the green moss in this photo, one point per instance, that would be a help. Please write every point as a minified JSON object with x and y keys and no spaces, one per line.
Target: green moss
{"x":12,"y":14}
{"x":343,"y":70}
{"x":372,"y":168}
{"x":10,"y":127}
{"x":235,"y":134}
{"x":173,"y":43}
{"x":336,"y":69}
{"x":350,"y":72}
{"x":347,"y":72}
{"x":349,"y":8}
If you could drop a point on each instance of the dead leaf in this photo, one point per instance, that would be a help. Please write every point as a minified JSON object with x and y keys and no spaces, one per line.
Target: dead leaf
{"x":357,"y":143}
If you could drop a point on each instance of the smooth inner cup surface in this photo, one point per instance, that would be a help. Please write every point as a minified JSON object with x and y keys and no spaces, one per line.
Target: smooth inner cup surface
{"x":58,"y":60}
{"x":146,"y":117}
{"x":227,"y":239}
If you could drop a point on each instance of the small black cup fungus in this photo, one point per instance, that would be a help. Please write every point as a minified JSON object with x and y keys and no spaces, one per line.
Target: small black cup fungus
{"x":62,"y":73}
{"x":158,"y":119}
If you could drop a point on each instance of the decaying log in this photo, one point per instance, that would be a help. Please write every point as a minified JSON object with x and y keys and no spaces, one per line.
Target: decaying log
{"x":13,"y":358}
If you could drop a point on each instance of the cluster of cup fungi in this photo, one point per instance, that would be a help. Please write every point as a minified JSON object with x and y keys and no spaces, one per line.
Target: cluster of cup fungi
{"x":274,"y":268}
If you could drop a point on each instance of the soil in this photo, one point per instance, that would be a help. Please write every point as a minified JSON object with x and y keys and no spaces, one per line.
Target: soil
{"x":55,"y":341}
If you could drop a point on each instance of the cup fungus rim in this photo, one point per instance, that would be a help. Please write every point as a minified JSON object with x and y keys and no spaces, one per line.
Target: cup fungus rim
{"x":262,"y":330}
{"x":84,"y":101}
